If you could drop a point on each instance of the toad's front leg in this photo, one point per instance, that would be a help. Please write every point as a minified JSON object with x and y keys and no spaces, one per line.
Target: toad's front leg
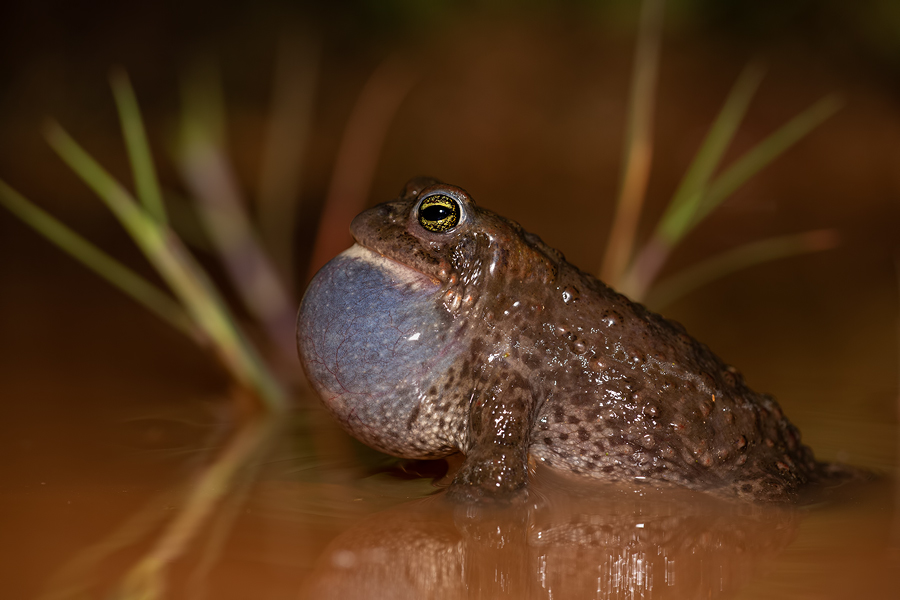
{"x":501,"y":415}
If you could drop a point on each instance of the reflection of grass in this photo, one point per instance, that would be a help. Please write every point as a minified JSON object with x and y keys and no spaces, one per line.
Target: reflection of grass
{"x":701,"y":190}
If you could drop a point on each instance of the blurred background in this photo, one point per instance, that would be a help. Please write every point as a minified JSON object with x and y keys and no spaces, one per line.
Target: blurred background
{"x":521,"y":103}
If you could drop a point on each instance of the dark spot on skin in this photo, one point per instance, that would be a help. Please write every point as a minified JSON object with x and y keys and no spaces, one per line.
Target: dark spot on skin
{"x":582,"y":399}
{"x":432,"y":391}
{"x":583,"y":435}
{"x":558,"y":414}
{"x":747,"y":488}
{"x":729,"y":378}
{"x":574,"y":419}
{"x":413,"y":415}
{"x":548,"y":441}
{"x":563,"y":436}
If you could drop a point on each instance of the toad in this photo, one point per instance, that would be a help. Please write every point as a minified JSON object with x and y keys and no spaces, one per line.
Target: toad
{"x":447,"y":328}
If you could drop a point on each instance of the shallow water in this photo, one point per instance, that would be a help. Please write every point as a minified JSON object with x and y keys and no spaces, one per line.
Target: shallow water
{"x":299,"y":527}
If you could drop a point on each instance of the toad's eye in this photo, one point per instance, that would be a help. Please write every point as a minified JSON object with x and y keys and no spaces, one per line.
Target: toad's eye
{"x":439,"y":213}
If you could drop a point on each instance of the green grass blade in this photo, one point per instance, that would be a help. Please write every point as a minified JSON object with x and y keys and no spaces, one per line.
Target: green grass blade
{"x":175,"y":264}
{"x":98,"y":179}
{"x":688,"y":197}
{"x":764,"y":153}
{"x":653,"y":255}
{"x":670,"y":289}
{"x":141,"y":160}
{"x":141,"y":290}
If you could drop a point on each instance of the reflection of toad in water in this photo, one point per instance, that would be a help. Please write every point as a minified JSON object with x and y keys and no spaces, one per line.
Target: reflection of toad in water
{"x":603,"y":542}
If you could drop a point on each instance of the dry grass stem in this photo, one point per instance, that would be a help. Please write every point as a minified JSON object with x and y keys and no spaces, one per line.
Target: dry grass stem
{"x":287,"y":136}
{"x":638,"y":144}
{"x":357,"y":158}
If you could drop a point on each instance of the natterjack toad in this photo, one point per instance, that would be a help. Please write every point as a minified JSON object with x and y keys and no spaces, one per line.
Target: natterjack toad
{"x":447,"y":328}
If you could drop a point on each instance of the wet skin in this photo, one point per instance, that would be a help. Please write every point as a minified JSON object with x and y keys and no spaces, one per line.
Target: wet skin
{"x":447,"y":328}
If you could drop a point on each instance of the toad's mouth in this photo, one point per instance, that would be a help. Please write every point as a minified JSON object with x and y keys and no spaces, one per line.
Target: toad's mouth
{"x":399,"y":271}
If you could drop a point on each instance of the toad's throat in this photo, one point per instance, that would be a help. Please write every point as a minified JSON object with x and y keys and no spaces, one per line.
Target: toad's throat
{"x":375,"y":344}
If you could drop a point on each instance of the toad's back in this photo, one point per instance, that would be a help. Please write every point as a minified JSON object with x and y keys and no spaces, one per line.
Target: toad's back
{"x":635,"y":396}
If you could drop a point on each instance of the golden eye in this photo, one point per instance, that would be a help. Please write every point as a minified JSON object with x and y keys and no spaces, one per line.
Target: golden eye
{"x":439,"y":213}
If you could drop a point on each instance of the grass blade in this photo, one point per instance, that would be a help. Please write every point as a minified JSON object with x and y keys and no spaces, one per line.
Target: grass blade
{"x":135,"y":286}
{"x":653,"y":255}
{"x":145,"y":180}
{"x":689,"y":195}
{"x":287,"y":136}
{"x":208,"y":173}
{"x":117,"y":198}
{"x":638,"y":144}
{"x":765,"y":152}
{"x":748,"y":255}
{"x":189,"y":282}
{"x":357,"y":157}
